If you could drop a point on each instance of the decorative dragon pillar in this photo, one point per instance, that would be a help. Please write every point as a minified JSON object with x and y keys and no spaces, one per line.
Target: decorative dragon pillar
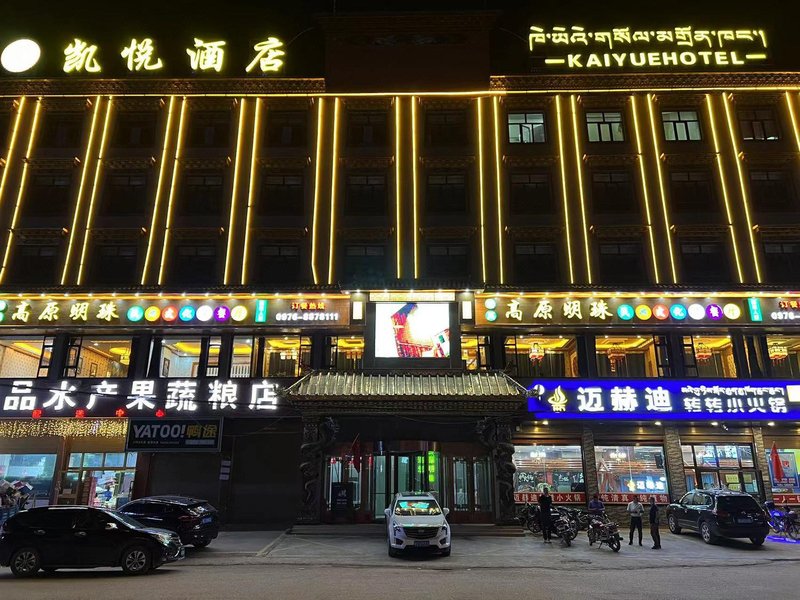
{"x":496,"y":434}
{"x":319,"y":434}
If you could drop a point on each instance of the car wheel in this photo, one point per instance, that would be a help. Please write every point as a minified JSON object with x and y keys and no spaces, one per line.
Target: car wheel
{"x":135,"y":560}
{"x":706,"y":533}
{"x":534,"y":527}
{"x":25,"y":562}
{"x":446,"y":552}
{"x":614,"y":545}
{"x":757,"y":541}
{"x":673,"y":524}
{"x":201,"y":543}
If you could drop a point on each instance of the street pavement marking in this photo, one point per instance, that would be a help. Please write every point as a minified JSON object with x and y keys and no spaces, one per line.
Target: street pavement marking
{"x":268,"y":548}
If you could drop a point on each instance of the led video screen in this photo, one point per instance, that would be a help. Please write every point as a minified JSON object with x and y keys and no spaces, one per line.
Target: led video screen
{"x":412,"y":330}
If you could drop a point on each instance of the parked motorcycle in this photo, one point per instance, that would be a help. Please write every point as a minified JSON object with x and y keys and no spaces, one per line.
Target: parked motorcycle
{"x":562,"y":526}
{"x":579,"y":517}
{"x":604,"y":531}
{"x":783,"y":522}
{"x":528,"y":516}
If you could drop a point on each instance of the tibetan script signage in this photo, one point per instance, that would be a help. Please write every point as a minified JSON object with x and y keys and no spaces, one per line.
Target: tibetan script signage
{"x":174,"y":435}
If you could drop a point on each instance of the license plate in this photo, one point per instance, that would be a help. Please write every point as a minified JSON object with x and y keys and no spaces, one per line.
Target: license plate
{"x":207,"y":520}
{"x":421,"y":544}
{"x":744,"y":520}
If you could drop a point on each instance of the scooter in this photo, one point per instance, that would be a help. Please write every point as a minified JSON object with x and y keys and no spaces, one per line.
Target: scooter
{"x":783,"y":522}
{"x":604,"y":531}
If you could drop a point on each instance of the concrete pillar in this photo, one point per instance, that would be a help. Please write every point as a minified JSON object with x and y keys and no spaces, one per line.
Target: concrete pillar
{"x":589,"y":462}
{"x":761,"y":461}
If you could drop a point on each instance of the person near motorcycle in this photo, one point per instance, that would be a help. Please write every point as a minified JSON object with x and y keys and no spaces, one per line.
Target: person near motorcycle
{"x":545,"y":505}
{"x":654,"y":532}
{"x":596,"y":506}
{"x":635,"y":510}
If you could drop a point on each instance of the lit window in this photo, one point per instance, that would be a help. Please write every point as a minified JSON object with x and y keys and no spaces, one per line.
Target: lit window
{"x":98,"y":357}
{"x":631,"y":469}
{"x":605,"y":126}
{"x":542,"y":356}
{"x":681,"y":125}
{"x":626,"y":356}
{"x":526,"y":128}
{"x":558,"y":468}
{"x":24,"y":357}
{"x":708,"y":356}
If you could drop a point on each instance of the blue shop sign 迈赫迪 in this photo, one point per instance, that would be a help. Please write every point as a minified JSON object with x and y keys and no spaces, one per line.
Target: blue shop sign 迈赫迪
{"x":665,"y":399}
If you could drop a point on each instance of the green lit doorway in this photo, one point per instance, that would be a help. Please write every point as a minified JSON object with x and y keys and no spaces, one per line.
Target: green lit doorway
{"x":416,"y":472}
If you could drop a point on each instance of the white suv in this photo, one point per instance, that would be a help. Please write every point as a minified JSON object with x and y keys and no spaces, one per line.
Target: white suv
{"x":417,"y":521}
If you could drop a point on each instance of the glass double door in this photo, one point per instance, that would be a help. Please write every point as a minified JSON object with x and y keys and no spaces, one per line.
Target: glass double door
{"x":404,"y":472}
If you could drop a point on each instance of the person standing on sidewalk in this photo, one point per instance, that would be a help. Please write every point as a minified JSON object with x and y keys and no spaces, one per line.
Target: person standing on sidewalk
{"x":596,"y":506}
{"x":545,"y":504}
{"x":654,"y":532}
{"x":635,"y":510}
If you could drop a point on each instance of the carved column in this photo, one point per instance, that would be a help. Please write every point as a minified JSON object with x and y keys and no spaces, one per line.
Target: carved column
{"x":760,"y":450}
{"x":589,"y":462}
{"x":674,"y":456}
{"x":496,"y":434}
{"x":319,"y":434}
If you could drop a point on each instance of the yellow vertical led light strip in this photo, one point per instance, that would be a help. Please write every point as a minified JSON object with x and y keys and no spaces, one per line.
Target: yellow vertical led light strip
{"x":93,"y":194}
{"x":564,"y":195}
{"x":171,"y":196}
{"x":742,"y":185}
{"x":645,"y":195}
{"x":315,"y":214}
{"x":499,"y":183}
{"x":579,"y":166}
{"x":481,"y":199}
{"x":81,"y":186}
{"x":334,"y":172}
{"x":725,"y":196}
{"x":415,"y":199}
{"x":251,"y":188}
{"x":661,"y":189}
{"x":792,"y":118}
{"x":157,"y":201}
{"x":234,"y":189}
{"x":398,"y":198}
{"x":12,"y":144}
{"x":21,"y":192}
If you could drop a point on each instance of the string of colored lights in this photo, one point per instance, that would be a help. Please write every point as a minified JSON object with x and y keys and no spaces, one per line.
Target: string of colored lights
{"x":481,"y":192}
{"x":579,"y":168}
{"x":564,"y":194}
{"x":499,"y":184}
{"x":234,"y":189}
{"x":67,"y":427}
{"x":12,"y":144}
{"x":334,"y":190}
{"x":172,"y":185}
{"x":251,"y":188}
{"x":317,"y":186}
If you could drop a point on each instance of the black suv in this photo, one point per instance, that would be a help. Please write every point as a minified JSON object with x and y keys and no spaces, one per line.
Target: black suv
{"x":75,"y":537}
{"x":719,"y":513}
{"x":195,"y":521}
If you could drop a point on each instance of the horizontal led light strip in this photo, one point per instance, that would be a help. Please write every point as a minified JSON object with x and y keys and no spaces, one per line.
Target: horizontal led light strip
{"x":234,"y":190}
{"x":12,"y":144}
{"x":170,"y":200}
{"x":251,"y":188}
{"x":645,"y":195}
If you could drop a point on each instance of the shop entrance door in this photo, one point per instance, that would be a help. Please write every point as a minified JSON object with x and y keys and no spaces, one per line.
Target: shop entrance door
{"x":415,"y":472}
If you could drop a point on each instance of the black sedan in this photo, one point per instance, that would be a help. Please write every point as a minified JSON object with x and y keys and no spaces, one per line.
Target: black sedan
{"x":194,"y":520}
{"x":77,"y":537}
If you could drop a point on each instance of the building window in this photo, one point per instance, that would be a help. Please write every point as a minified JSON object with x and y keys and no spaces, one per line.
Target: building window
{"x":692,"y":191}
{"x":708,"y":356}
{"x":37,"y":470}
{"x":631,"y":469}
{"x":286,"y":129}
{"x":25,"y":357}
{"x":542,"y":356}
{"x":34,"y":264}
{"x":99,"y":479}
{"x":448,"y":260}
{"x":282,"y":194}
{"x":626,"y":356}
{"x":194,"y":265}
{"x":344,"y":353}
{"x":365,"y":194}
{"x":278,"y":263}
{"x":772,"y":190}
{"x":783,"y":352}
{"x":526,"y":128}
{"x":681,"y":125}
{"x":704,"y":262}
{"x":789,"y":457}
{"x":180,"y":357}
{"x":730,"y":466}
{"x":125,"y":194}
{"x":758,"y":125}
{"x":48,"y":194}
{"x":558,"y":468}
{"x":364,"y":262}
{"x":286,"y":356}
{"x":366,"y":129}
{"x":446,"y":128}
{"x":202,"y":194}
{"x":536,"y":263}
{"x":98,"y":357}
{"x":135,"y":130}
{"x":446,"y":193}
{"x":621,"y":263}
{"x":605,"y":126}
{"x":612,"y":192}
{"x":209,"y":129}
{"x":61,"y":130}
{"x":782,"y":261}
{"x":531,"y":194}
{"x":115,"y":264}
{"x":475,"y":352}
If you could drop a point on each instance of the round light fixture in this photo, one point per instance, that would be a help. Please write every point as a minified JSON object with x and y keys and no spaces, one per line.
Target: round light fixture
{"x":20,"y":56}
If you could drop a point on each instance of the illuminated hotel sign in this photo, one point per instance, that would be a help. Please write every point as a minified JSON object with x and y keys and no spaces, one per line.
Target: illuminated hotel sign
{"x":665,"y":399}
{"x":576,"y":47}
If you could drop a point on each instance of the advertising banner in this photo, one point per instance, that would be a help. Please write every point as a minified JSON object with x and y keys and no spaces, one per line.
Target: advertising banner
{"x":174,"y":435}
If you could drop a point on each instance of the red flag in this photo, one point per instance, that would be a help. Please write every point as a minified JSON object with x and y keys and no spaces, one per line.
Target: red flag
{"x":355,"y":449}
{"x":777,"y":468}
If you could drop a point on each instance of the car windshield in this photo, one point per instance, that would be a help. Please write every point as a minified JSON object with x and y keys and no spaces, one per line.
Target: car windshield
{"x":125,"y":519}
{"x":737,"y":503}
{"x":417,"y":508}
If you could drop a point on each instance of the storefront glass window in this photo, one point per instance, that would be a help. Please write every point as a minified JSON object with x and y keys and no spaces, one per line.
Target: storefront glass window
{"x":560,"y":468}
{"x":114,"y":460}
{"x":242,"y":356}
{"x":787,"y":482}
{"x":345,"y":353}
{"x":180,"y":356}
{"x":34,"y":471}
{"x":708,"y":356}
{"x":475,"y":352}
{"x":286,"y":356}
{"x":784,"y":355}
{"x":626,"y":356}
{"x":212,"y":360}
{"x":720,"y":465}
{"x":19,"y":357}
{"x":631,"y":469}
{"x":99,"y":357}
{"x":98,"y":479}
{"x":541,"y":356}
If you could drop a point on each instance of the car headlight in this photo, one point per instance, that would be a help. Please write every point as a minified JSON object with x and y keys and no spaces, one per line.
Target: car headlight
{"x":397,"y":528}
{"x":164,"y":538}
{"x":444,"y":527}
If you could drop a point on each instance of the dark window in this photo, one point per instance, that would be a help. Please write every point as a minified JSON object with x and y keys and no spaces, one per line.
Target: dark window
{"x":621,"y":263}
{"x":286,"y":129}
{"x":692,"y":191}
{"x":448,"y":260}
{"x":612,"y":192}
{"x":209,"y":129}
{"x":48,"y":194}
{"x":446,"y":193}
{"x":681,"y":125}
{"x":772,"y":190}
{"x":194,"y":265}
{"x":34,"y":264}
{"x":202,"y":193}
{"x":135,"y":130}
{"x":278,"y":263}
{"x":526,"y":128}
{"x":531,"y":194}
{"x":58,"y":518}
{"x":704,"y":262}
{"x":5,"y":124}
{"x":114,"y":264}
{"x":281,"y":194}
{"x":364,"y":262}
{"x":365,"y":194}
{"x":605,"y":126}
{"x":758,"y":125}
{"x":446,"y":128}
{"x":536,"y":263}
{"x":366,"y":129}
{"x":125,"y":193}
{"x":783,"y":261}
{"x":61,"y":130}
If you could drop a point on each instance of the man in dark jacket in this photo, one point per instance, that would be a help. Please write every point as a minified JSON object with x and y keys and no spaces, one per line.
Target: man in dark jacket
{"x":654,"y":532}
{"x":545,"y":504}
